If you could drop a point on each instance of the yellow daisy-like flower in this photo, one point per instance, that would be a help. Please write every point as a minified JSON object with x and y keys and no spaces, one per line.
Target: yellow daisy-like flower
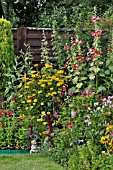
{"x":31,"y":107}
{"x":39,"y":91}
{"x":44,"y":123}
{"x":20,"y":85}
{"x":35,"y":65}
{"x":33,"y":71}
{"x":48,"y":66}
{"x":12,"y":103}
{"x":23,"y":102}
{"x":28,"y":101}
{"x":26,"y":87}
{"x":43,"y":112}
{"x":48,"y":113}
{"x":20,"y":95}
{"x":111,"y":143}
{"x":54,"y":93}
{"x":22,"y":116}
{"x":51,"y":88}
{"x":108,"y":128}
{"x":105,"y":139}
{"x":42,"y":85}
{"x":40,"y":120}
{"x":42,"y":103}
{"x":35,"y":100}
{"x":27,"y":108}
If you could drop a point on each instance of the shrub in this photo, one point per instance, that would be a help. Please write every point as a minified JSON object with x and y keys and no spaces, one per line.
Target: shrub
{"x":6,"y":49}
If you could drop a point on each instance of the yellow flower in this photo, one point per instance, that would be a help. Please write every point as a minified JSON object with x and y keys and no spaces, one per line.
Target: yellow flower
{"x":33,"y":94}
{"x":42,"y":103}
{"x":105,"y":139}
{"x":39,"y":91}
{"x":48,"y":113}
{"x":43,"y":113}
{"x":23,"y":102}
{"x":12,"y":103}
{"x":108,"y":128}
{"x":35,"y":65}
{"x":42,"y":85}
{"x":48,"y":65}
{"x":33,"y":71}
{"x":44,"y":123}
{"x":51,"y":88}
{"x":20,"y":85}
{"x":22,"y":116}
{"x":28,"y":101}
{"x":31,"y":107}
{"x":26,"y":87}
{"x":27,"y":108}
{"x":54,"y":93}
{"x":111,"y":143}
{"x":39,"y":120}
{"x":20,"y":95}
{"x":35,"y":100}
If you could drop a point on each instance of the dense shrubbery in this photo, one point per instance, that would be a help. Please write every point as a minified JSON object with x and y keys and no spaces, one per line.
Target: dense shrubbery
{"x":68,"y":105}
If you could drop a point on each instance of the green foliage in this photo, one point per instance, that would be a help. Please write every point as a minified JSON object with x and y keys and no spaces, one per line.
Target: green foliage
{"x":6,"y":49}
{"x":86,"y":158}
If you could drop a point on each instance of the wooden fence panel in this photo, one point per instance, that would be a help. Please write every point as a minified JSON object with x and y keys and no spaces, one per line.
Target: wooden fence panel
{"x":34,"y":37}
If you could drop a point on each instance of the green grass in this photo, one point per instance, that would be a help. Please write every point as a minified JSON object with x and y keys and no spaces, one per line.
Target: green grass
{"x":27,"y":162}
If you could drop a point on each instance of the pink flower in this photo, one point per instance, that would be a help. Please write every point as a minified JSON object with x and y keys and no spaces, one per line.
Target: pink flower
{"x":87,"y":58}
{"x":13,"y":98}
{"x":9,"y":112}
{"x":73,"y":113}
{"x":69,"y":47}
{"x":1,"y":112}
{"x":75,"y":67}
{"x":56,"y":115}
{"x":64,"y":47}
{"x":4,"y":102}
{"x":84,"y":105}
{"x":84,"y":93}
{"x":93,"y":33}
{"x":93,"y":18}
{"x":99,"y":32}
{"x":75,"y":42}
{"x":111,"y":133}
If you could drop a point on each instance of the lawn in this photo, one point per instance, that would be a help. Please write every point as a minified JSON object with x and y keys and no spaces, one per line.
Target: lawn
{"x":27,"y":162}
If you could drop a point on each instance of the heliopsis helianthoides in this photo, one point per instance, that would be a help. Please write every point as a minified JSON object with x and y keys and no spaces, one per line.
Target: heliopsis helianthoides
{"x":111,"y":143}
{"x":109,"y":128}
{"x":105,"y":139}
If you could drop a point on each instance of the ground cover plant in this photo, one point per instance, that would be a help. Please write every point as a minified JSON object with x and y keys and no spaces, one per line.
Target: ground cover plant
{"x":67,"y":106}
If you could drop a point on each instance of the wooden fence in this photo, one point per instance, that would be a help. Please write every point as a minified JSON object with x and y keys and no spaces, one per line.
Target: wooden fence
{"x":34,"y":37}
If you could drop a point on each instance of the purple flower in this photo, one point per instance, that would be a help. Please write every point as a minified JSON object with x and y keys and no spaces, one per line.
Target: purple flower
{"x":96,"y":104}
{"x":56,"y":115}
{"x":80,"y":141}
{"x":70,"y":93}
{"x":61,"y":93}
{"x":84,"y":93}
{"x":89,"y":93}
{"x":73,"y":113}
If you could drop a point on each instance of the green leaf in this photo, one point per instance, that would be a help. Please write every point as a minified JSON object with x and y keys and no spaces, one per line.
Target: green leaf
{"x":96,"y":69}
{"x":91,"y":76}
{"x":72,"y":89}
{"x":79,"y":85}
{"x":75,"y":80}
{"x":101,"y":88}
{"x":83,"y":78}
{"x":108,"y":62}
{"x":111,"y":79}
{"x":111,"y":68}
{"x":107,"y":72}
